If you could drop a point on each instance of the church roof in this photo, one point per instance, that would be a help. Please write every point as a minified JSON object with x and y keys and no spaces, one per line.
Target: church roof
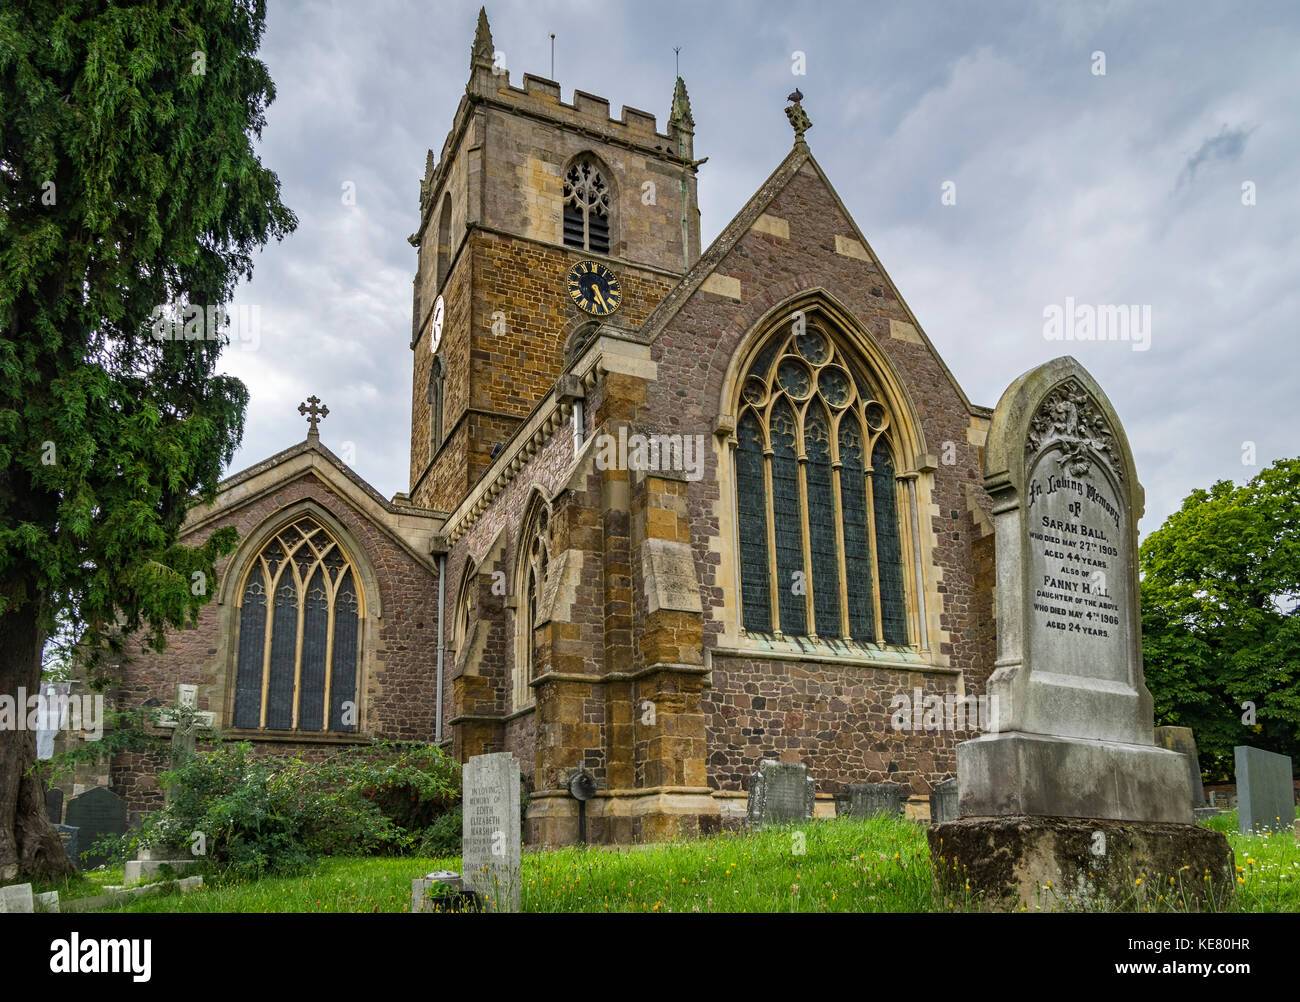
{"x":311,"y":458}
{"x":796,"y":160}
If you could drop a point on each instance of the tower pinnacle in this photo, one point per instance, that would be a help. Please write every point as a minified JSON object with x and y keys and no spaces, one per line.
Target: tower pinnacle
{"x":681,"y":112}
{"x":483,"y":51}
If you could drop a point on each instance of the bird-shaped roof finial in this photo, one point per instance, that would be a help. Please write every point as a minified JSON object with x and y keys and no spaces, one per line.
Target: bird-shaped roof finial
{"x":799,"y":121}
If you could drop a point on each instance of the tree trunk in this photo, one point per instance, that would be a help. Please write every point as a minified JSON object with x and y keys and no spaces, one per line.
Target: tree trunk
{"x":30,"y":848}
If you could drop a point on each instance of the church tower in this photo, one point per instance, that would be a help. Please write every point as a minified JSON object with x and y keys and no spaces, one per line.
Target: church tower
{"x":527,"y":187}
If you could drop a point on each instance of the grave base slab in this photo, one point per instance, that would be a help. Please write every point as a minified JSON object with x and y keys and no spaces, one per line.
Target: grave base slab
{"x":1016,"y":773}
{"x":1081,"y":864}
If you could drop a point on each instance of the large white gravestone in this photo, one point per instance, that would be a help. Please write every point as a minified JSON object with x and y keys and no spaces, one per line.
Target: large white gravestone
{"x":490,"y":830}
{"x":1074,"y":734}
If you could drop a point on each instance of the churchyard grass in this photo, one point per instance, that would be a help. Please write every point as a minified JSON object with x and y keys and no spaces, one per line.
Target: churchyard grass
{"x":85,"y":884}
{"x":334,"y":885}
{"x":875,"y":865}
{"x":1268,"y":866}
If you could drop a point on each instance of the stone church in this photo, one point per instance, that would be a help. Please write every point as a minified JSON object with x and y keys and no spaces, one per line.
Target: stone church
{"x":670,"y":513}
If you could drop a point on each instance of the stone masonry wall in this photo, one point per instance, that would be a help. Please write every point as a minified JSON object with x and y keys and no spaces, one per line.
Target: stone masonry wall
{"x":398,"y":698}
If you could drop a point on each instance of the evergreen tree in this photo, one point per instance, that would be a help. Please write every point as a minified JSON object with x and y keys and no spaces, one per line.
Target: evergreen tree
{"x":128,"y":181}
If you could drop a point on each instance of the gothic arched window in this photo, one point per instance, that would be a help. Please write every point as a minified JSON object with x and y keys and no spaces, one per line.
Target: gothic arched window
{"x":436,"y":379}
{"x":444,"y":242}
{"x":300,"y":613}
{"x":816,"y":496}
{"x":534,"y":562}
{"x":466,"y":601}
{"x":586,"y":206}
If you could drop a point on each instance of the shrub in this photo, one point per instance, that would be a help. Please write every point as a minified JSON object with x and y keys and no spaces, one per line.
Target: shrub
{"x":268,"y":814}
{"x":442,"y":838}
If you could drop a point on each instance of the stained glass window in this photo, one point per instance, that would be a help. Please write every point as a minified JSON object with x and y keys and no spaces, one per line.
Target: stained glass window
{"x":586,"y":207}
{"x":297,"y":660}
{"x":816,"y":496}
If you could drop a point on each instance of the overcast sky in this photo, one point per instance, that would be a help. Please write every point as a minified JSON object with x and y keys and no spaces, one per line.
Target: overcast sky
{"x":1122,"y":188}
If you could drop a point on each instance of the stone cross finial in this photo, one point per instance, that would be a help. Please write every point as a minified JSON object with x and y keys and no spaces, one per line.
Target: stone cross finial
{"x":314,"y":414}
{"x":798,"y":119}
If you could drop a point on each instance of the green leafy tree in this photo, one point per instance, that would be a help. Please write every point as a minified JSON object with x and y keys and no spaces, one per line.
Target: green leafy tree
{"x":128,"y":181}
{"x":1221,"y":616}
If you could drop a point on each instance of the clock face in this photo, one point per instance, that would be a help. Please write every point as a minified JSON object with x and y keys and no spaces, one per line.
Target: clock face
{"x":594,"y":288}
{"x":435,"y":327}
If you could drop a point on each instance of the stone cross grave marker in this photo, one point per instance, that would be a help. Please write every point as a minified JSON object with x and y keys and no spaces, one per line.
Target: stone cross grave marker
{"x":780,"y":792}
{"x":96,"y":813}
{"x":1074,"y":728}
{"x":490,"y":833}
{"x":1265,"y":794}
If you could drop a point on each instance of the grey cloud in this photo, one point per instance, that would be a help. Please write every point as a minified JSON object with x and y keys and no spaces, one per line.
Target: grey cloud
{"x":1062,"y":181}
{"x":1229,"y":144}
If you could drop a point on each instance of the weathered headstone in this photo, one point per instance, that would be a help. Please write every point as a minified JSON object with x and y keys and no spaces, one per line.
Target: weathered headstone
{"x":490,"y":833}
{"x":1265,"y":790}
{"x":865,"y":800}
{"x":780,"y":792}
{"x":68,"y":835}
{"x":54,"y":805}
{"x":1181,"y":740}
{"x":97,"y":813}
{"x":943,"y":802}
{"x":1073,"y":729}
{"x":16,"y":898}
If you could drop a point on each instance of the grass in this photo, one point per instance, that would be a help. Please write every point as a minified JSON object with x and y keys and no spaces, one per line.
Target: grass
{"x":1268,"y":866}
{"x":876,"y":865}
{"x":82,"y":885}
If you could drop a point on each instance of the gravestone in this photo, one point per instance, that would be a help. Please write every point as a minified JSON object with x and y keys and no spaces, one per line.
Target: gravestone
{"x":780,"y":792}
{"x":490,"y":833}
{"x":1069,"y":788}
{"x":97,"y":813}
{"x":54,"y":805}
{"x":943,"y":802}
{"x":17,"y":899}
{"x":1265,"y":790}
{"x":68,"y":835}
{"x":865,"y":800}
{"x":1181,"y":740}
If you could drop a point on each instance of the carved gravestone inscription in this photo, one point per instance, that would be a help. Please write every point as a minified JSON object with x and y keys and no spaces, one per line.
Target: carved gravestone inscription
{"x":490,"y":832}
{"x":1073,"y":728}
{"x":1078,"y":542}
